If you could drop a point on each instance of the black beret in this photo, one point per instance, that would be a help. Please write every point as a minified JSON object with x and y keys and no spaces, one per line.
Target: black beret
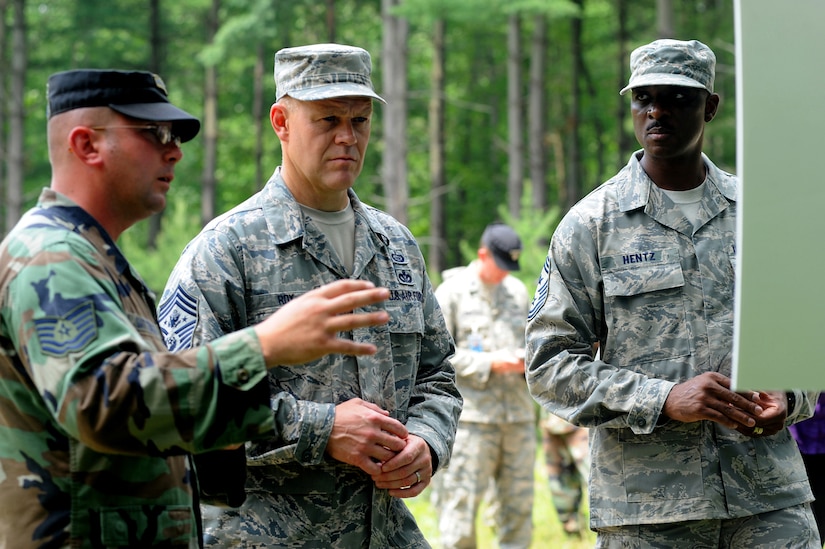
{"x":137,"y":94}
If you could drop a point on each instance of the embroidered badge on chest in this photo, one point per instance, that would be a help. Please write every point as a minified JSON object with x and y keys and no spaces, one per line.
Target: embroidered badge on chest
{"x":400,"y":264}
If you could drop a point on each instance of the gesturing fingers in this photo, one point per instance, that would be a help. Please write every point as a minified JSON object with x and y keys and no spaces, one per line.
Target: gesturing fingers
{"x":307,"y":327}
{"x":345,"y":295}
{"x":338,"y":299}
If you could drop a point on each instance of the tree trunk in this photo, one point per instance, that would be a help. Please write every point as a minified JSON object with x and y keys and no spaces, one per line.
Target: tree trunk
{"x":438,"y":243}
{"x":596,"y":122}
{"x":625,"y":143}
{"x":573,"y":187}
{"x":331,"y":20}
{"x":515,"y":125}
{"x":155,"y":65}
{"x":394,"y":90}
{"x":3,"y":121}
{"x":664,"y":18}
{"x":537,"y":114}
{"x":17,"y":115}
{"x":210,"y":126}
{"x":258,"y":114}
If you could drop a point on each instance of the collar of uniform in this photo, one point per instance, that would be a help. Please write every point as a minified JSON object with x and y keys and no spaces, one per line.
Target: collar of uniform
{"x":725,"y":182}
{"x":64,"y":208}
{"x":634,"y":185}
{"x":283,"y":213}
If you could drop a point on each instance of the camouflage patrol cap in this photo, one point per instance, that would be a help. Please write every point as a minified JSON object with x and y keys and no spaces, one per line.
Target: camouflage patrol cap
{"x":323,"y":71}
{"x":669,"y":62}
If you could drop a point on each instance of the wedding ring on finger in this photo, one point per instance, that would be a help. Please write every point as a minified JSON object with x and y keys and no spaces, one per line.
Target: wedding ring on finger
{"x":757,"y":431}
{"x":417,"y":477}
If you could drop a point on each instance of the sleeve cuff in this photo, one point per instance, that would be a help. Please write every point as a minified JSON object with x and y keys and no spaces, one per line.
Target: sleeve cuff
{"x":646,"y":412}
{"x":240,"y":359}
{"x":316,"y":428}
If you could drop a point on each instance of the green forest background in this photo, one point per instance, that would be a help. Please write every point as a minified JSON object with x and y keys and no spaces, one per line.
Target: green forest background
{"x":471,"y":74}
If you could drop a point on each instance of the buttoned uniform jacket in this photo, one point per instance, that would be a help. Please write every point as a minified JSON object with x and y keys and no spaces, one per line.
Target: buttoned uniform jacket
{"x":97,"y":416}
{"x":248,"y":263}
{"x":628,"y":270}
{"x":492,"y":320}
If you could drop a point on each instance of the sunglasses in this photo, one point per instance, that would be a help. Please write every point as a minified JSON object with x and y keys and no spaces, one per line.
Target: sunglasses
{"x":163,"y":134}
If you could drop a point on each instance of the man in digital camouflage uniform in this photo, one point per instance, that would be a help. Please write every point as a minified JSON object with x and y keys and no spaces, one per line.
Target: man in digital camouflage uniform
{"x":644,"y":266}
{"x":96,"y":416}
{"x":485,"y":308}
{"x":352,"y":435}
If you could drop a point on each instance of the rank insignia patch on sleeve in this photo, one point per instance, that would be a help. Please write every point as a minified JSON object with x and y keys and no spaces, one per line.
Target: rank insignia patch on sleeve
{"x":178,"y":317}
{"x":59,"y":336}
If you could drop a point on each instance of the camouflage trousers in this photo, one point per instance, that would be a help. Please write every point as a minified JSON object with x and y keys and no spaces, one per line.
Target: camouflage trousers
{"x":328,"y":506}
{"x":494,"y":458}
{"x":566,"y":464}
{"x":791,"y":528}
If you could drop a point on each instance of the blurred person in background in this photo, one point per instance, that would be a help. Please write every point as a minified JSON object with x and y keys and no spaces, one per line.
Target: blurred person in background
{"x":566,"y":464}
{"x":485,"y":309}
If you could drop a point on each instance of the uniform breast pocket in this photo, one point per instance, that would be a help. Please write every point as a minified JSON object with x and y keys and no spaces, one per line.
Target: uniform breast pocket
{"x":406,"y":328}
{"x":303,"y":381}
{"x":406,"y":332}
{"x":646,"y":314}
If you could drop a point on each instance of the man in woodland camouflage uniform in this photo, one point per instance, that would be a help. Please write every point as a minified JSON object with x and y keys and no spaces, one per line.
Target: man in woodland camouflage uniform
{"x":645,"y":267}
{"x":485,"y":308}
{"x":353,"y":436}
{"x":96,"y":415}
{"x":566,"y":463}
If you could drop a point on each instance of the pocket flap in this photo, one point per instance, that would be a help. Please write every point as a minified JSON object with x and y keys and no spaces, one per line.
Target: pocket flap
{"x":643,"y":279}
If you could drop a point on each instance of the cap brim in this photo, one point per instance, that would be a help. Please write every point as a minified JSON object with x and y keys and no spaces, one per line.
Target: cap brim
{"x":505,"y":262}
{"x":659,"y":79}
{"x":332,"y":91}
{"x":184,"y":124}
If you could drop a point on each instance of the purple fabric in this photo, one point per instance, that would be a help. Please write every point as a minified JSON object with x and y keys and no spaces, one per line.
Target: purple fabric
{"x":810,"y":434}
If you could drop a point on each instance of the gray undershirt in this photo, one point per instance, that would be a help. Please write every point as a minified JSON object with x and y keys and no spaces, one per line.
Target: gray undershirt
{"x":339,"y":229}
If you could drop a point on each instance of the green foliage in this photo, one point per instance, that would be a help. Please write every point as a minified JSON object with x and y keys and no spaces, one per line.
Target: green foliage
{"x":180,"y":224}
{"x":65,"y":34}
{"x":547,"y":530}
{"x":534,"y":226}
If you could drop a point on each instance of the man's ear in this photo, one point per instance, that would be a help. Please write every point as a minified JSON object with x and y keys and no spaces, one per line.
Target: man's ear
{"x":711,"y":106}
{"x":85,"y":145}
{"x":279,"y":120}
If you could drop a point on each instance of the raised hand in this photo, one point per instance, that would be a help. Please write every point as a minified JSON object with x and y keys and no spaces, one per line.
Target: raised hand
{"x":307,"y":327}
